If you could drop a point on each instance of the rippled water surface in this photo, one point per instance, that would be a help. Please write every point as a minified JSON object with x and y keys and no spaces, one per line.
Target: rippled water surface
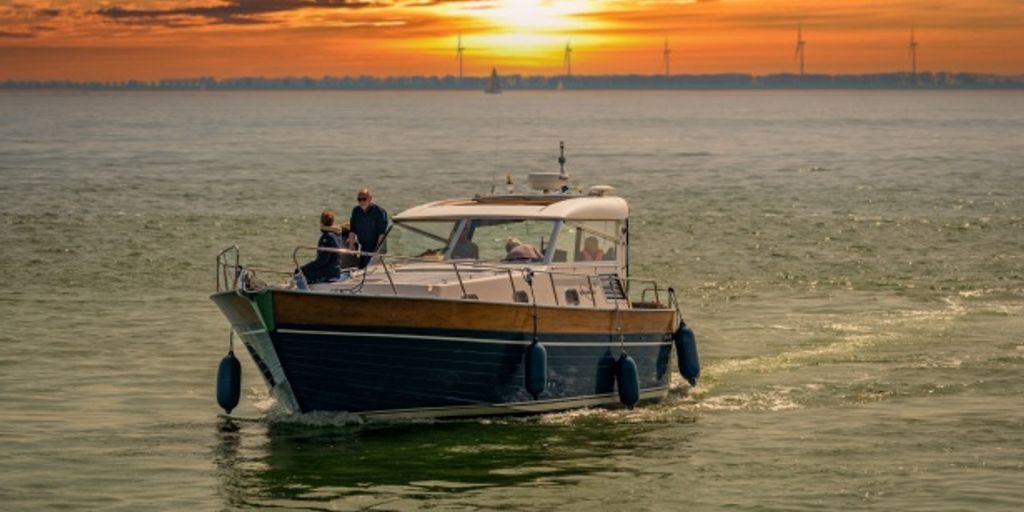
{"x":852,"y":263}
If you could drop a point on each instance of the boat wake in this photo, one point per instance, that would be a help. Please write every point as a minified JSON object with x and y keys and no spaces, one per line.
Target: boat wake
{"x":869,"y":334}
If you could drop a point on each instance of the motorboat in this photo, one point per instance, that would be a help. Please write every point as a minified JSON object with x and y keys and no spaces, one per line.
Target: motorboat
{"x":518,"y":302}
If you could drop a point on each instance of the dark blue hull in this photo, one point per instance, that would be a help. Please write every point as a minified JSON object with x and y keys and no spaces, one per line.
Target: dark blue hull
{"x":382,"y":370}
{"x":381,"y":356}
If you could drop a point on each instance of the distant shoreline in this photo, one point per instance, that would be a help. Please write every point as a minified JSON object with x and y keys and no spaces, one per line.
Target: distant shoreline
{"x":728,"y":81}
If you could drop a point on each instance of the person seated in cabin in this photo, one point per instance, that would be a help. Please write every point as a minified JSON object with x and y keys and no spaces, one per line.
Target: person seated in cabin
{"x":327,"y":265}
{"x":465,"y":248}
{"x":591,"y":251}
{"x":518,"y":251}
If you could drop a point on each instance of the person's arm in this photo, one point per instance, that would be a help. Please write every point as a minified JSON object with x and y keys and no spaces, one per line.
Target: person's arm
{"x":353,"y":238}
{"x":346,"y":239}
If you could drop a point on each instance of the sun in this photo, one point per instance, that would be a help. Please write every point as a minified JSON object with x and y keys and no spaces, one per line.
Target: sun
{"x":534,"y":15}
{"x":522,"y":34}
{"x":528,"y":16}
{"x":527,"y":26}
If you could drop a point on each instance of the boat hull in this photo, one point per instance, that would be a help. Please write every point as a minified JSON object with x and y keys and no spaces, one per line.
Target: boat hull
{"x":408,"y":357}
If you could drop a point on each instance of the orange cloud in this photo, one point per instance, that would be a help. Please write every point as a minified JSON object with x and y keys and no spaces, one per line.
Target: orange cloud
{"x":149,"y":39}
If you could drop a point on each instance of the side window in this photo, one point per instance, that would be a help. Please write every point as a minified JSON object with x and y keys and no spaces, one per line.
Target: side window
{"x":493,"y":237}
{"x":587,"y":241}
{"x":420,"y":239}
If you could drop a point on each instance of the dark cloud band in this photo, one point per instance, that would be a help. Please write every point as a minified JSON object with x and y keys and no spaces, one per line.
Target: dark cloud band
{"x":231,"y":12}
{"x":16,"y":35}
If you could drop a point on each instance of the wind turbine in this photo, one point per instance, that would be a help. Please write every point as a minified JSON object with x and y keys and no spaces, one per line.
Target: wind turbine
{"x":913,"y":54}
{"x":800,"y":43}
{"x":567,"y":59}
{"x":458,"y":54}
{"x":666,"y":59}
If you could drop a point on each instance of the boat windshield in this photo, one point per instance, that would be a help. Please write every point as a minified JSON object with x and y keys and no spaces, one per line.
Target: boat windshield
{"x":491,"y":240}
{"x":504,"y":240}
{"x":420,"y":239}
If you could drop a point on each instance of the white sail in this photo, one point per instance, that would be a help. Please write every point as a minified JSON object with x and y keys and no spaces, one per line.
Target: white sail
{"x":494,"y":84}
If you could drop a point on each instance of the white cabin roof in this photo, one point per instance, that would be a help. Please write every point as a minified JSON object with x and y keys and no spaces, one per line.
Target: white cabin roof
{"x":521,"y":207}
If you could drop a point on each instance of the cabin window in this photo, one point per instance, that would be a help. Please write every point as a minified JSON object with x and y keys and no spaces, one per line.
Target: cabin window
{"x":588,"y":242}
{"x":420,"y":239}
{"x":490,"y":239}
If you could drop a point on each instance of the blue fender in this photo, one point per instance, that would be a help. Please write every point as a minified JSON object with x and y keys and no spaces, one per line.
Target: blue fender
{"x":686,"y":354}
{"x":229,"y":382}
{"x":628,"y":379}
{"x":536,"y":369}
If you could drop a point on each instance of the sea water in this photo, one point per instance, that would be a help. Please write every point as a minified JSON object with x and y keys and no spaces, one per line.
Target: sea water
{"x":852,"y":264}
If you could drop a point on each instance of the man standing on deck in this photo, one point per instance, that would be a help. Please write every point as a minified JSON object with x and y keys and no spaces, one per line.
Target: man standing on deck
{"x":369,"y":222}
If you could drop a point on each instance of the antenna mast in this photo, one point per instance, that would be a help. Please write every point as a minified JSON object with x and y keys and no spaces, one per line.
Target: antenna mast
{"x":800,"y":43}
{"x":567,"y":59}
{"x":458,"y":54}
{"x":913,"y":55}
{"x":665,"y":57}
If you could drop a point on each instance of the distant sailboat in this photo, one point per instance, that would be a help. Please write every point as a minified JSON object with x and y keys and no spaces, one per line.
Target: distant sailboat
{"x":494,"y":84}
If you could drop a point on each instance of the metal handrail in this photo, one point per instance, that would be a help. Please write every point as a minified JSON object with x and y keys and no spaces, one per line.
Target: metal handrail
{"x":455,"y":266}
{"x":229,"y":272}
{"x":512,"y":283}
{"x":353,"y":252}
{"x":387,"y":272}
{"x":657,"y":297}
{"x":223,"y":265}
{"x":627,"y":282}
{"x":231,"y":275}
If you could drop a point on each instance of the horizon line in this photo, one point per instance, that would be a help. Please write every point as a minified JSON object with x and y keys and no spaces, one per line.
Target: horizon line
{"x":485,"y":76}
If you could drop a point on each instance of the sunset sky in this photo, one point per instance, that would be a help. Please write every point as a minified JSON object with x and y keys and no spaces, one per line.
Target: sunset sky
{"x":151,"y":39}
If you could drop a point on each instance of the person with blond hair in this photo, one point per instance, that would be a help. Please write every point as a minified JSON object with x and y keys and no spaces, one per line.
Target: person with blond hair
{"x":518,"y":251}
{"x":591,"y":250}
